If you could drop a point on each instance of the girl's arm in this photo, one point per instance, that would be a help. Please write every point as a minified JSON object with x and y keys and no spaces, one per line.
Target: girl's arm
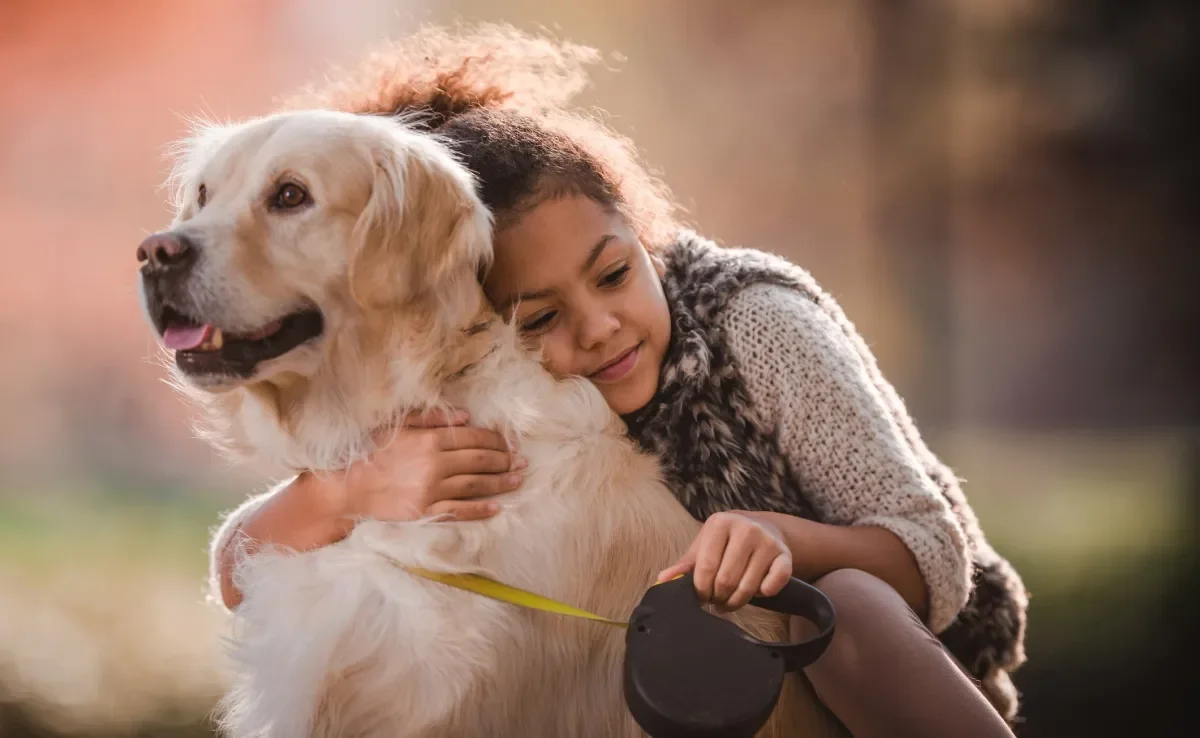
{"x":818,"y":548}
{"x":852,"y":446}
{"x":433,"y":464}
{"x":302,"y":514}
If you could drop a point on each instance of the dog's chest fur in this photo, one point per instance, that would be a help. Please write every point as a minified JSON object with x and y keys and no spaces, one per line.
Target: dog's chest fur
{"x":386,"y":653}
{"x":393,"y":654}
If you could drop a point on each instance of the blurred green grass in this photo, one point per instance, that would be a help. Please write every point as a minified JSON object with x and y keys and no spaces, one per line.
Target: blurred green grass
{"x":38,"y":527}
{"x":1096,"y":525}
{"x":104,"y":630}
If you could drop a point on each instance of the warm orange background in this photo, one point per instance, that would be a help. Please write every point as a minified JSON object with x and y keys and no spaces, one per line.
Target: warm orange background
{"x":1012,"y":261}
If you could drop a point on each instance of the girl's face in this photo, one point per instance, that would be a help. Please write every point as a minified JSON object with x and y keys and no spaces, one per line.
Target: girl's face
{"x":574,"y":276}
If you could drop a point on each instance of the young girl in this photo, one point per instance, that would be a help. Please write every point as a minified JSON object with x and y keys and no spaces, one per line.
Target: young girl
{"x":766,"y":408}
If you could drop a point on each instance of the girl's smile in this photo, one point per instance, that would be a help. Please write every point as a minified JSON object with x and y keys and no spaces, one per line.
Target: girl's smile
{"x":574,"y":276}
{"x":618,"y":368}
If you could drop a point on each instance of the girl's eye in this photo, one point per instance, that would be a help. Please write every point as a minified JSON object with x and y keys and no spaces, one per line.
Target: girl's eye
{"x":540,"y":323}
{"x":615,"y":277}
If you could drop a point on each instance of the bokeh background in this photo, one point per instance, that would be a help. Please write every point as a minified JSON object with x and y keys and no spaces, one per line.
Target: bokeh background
{"x":1002,"y":193}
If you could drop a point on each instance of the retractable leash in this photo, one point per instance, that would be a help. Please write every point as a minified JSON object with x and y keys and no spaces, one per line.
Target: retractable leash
{"x":691,"y":674}
{"x":688,"y":673}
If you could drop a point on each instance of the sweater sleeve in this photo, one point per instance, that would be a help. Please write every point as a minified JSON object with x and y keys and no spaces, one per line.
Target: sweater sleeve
{"x":810,"y":384}
{"x":224,"y":533}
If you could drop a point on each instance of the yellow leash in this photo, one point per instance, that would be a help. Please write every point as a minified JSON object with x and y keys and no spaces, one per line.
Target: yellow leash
{"x":492,"y":589}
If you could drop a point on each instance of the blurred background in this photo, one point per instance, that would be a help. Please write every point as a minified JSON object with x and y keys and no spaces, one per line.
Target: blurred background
{"x":1001,"y":193}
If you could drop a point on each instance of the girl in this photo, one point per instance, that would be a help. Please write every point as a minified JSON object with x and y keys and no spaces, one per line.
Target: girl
{"x":765,"y":406}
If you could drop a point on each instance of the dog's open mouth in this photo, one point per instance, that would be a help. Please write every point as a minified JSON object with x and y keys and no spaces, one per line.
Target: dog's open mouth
{"x":204,"y":349}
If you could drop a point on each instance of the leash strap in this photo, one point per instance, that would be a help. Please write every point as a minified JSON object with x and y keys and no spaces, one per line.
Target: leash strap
{"x":492,"y":589}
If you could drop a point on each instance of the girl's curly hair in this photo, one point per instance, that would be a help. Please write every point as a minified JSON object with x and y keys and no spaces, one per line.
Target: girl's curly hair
{"x":499,"y":98}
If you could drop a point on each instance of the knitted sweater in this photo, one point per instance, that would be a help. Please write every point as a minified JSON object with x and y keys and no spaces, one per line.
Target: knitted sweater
{"x":806,"y":381}
{"x":769,"y":399}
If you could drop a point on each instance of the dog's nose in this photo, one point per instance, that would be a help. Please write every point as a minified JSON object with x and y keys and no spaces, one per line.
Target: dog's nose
{"x":167,"y":251}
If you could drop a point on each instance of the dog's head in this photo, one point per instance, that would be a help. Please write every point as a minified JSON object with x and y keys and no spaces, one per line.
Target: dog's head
{"x":300,"y":239}
{"x":290,"y":227}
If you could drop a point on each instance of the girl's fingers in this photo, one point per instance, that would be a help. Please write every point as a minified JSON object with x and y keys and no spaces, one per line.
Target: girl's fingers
{"x":753,"y":577}
{"x":477,"y":461}
{"x":683,"y":566}
{"x":777,"y":576}
{"x":710,"y":549}
{"x":462,"y":510}
{"x":436,"y":418}
{"x":469,"y":437}
{"x":734,"y":561}
{"x":466,"y":486}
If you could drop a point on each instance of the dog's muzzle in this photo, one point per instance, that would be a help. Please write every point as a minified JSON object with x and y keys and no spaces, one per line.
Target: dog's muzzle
{"x":167,"y":261}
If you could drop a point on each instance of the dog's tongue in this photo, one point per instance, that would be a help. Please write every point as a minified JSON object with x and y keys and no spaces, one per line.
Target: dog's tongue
{"x":178,"y":337}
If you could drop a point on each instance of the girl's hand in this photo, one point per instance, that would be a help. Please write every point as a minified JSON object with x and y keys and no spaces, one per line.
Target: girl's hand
{"x":433,"y":464}
{"x":735,"y":557}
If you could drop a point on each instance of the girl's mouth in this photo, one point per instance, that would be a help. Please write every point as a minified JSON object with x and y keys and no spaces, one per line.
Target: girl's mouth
{"x":619,"y":367}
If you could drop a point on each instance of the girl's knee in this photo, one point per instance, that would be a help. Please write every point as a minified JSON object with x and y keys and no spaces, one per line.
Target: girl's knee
{"x":884,"y":672}
{"x":849,"y":581}
{"x":866,"y":608}
{"x":876,"y":631}
{"x":859,"y":597}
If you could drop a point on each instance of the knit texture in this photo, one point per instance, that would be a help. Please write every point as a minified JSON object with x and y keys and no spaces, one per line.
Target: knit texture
{"x":851,"y":459}
{"x":769,"y":399}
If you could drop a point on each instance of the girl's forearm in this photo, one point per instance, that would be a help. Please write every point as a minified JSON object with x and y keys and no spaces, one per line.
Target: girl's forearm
{"x":302,"y":517}
{"x":818,"y":549}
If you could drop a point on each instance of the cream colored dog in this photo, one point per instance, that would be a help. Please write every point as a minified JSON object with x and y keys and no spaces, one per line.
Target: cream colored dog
{"x":319,"y":280}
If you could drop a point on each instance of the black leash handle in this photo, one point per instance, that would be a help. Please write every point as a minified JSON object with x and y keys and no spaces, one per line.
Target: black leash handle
{"x":691,"y":674}
{"x":803,"y":600}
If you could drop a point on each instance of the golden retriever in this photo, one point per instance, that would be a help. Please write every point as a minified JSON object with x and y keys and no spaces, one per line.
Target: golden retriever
{"x":319,"y":280}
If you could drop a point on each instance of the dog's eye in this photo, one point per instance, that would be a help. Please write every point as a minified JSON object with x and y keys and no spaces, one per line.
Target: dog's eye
{"x":289,"y":196}
{"x":202,"y":196}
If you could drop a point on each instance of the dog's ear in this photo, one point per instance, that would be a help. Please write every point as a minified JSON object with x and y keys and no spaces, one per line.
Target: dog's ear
{"x":423,"y":228}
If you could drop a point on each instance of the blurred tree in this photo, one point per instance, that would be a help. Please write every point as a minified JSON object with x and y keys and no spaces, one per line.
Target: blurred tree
{"x":909,"y":147}
{"x":1119,"y":81}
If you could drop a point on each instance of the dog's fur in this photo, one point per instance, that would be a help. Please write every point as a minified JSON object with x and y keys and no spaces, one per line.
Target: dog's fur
{"x":338,"y":641}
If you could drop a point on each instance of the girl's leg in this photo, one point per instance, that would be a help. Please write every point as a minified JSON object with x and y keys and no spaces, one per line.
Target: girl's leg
{"x":886,"y":674}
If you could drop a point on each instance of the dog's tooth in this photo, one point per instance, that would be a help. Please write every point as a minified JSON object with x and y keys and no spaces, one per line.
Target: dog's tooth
{"x":217,"y":340}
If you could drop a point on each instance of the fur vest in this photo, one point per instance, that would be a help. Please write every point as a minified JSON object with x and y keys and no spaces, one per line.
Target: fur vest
{"x":702,"y":405}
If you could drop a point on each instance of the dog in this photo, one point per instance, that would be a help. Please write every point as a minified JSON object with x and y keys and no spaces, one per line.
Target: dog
{"x":320,"y":279}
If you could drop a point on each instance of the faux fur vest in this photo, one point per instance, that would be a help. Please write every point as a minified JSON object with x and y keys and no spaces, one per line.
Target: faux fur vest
{"x":717,"y":457}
